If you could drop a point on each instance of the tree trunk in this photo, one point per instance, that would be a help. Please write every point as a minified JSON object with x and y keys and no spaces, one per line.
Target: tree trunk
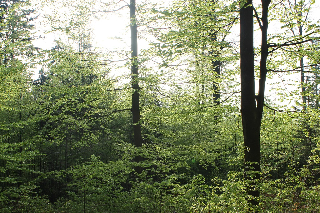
{"x":216,"y":64}
{"x":216,"y":89}
{"x":252,"y":105}
{"x":251,"y":131}
{"x":303,"y":88}
{"x":135,"y":79}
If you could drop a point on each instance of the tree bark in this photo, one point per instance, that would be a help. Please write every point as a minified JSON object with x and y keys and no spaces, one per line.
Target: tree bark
{"x":216,"y":64}
{"x":216,"y":89}
{"x":251,"y":104}
{"x":135,"y":78}
{"x":303,"y":88}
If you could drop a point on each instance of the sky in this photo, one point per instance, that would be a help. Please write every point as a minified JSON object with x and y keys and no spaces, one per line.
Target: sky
{"x":111,"y":32}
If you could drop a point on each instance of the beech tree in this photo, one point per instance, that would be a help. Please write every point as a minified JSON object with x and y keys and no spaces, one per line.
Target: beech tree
{"x":17,"y":151}
{"x":135,"y":77}
{"x":252,"y":104}
{"x":79,"y":139}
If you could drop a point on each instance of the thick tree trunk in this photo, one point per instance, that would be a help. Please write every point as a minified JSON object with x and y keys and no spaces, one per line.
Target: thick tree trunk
{"x":251,"y":130}
{"x":252,"y":105}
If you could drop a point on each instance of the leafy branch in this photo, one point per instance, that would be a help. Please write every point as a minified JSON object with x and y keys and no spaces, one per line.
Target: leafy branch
{"x":297,"y":69}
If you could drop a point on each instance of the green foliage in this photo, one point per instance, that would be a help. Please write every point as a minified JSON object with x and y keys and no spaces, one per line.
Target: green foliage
{"x":66,"y":140}
{"x":16,"y":109}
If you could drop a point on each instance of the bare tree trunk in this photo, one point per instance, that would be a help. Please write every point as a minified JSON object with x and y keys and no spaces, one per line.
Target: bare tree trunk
{"x":216,"y":64}
{"x":303,"y":88}
{"x":216,"y":89}
{"x":251,"y":131}
{"x":135,"y":79}
{"x":252,"y":105}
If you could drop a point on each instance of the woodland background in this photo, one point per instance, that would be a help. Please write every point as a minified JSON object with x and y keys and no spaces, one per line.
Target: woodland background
{"x":68,"y":139}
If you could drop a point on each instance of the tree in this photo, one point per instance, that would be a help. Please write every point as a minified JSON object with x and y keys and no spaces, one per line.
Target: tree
{"x":297,"y":23}
{"x":138,"y":141}
{"x":18,"y":152}
{"x":251,"y":104}
{"x":76,"y":117}
{"x":195,"y":43}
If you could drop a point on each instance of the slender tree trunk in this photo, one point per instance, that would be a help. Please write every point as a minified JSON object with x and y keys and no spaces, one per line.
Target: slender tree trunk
{"x":216,"y":64}
{"x":135,"y":78}
{"x":66,"y":154}
{"x":316,"y":91}
{"x":303,"y":88}
{"x":216,"y":95}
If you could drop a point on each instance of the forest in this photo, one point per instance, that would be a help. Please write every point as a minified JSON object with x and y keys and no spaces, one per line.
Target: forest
{"x":206,"y":106}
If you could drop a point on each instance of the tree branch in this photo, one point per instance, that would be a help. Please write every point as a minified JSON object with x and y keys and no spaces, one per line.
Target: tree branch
{"x":286,"y":44}
{"x":297,"y":69}
{"x":278,"y":110}
{"x":119,"y":110}
{"x":257,"y":17}
{"x":110,"y":11}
